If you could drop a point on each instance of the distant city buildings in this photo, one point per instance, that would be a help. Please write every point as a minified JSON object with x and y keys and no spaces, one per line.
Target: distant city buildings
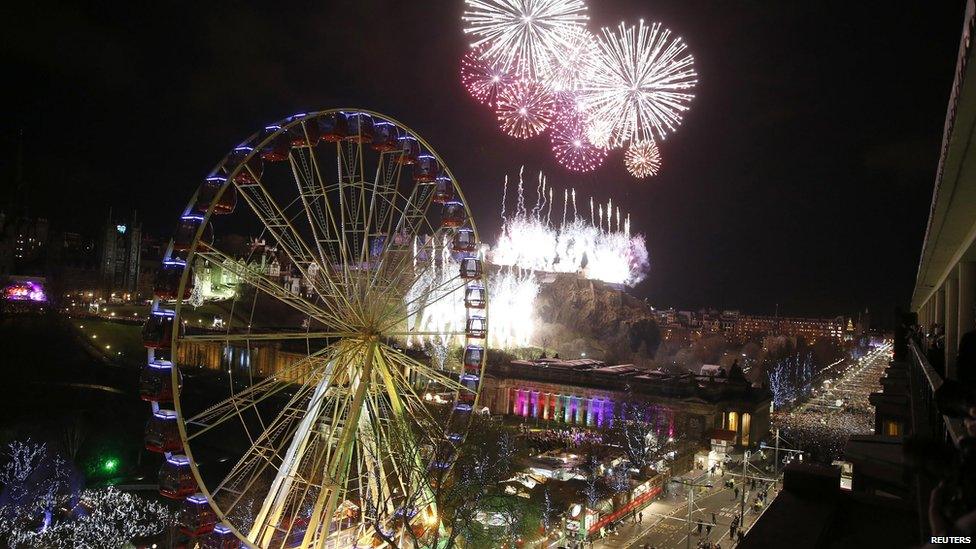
{"x":119,"y":255}
{"x":738,"y":327}
{"x":22,"y":242}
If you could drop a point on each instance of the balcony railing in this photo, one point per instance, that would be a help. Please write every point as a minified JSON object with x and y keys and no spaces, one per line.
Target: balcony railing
{"x":928,"y":424}
{"x":926,"y":419}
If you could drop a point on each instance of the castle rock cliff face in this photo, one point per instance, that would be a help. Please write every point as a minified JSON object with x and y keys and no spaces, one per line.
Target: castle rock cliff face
{"x":578,"y":316}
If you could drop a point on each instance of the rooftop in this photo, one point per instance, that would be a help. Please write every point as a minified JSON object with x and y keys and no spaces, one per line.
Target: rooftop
{"x":597,"y":375}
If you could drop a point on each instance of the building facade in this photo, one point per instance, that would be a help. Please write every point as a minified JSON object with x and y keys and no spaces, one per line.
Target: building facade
{"x":119,"y":255}
{"x":588,"y":393}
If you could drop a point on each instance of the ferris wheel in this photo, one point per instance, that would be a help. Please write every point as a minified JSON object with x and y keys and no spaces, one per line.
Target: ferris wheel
{"x":329,"y":383}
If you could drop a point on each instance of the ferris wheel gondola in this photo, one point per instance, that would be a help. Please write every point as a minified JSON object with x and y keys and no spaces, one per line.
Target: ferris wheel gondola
{"x":314,"y":404}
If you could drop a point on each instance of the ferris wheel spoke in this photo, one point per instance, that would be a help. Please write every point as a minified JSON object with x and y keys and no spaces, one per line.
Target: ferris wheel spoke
{"x":397,"y":445}
{"x":387,"y":179}
{"x":397,"y":367}
{"x":313,"y":198}
{"x":338,"y":462}
{"x":412,"y":365}
{"x":372,"y":443}
{"x":270,"y":287}
{"x":265,"y":336}
{"x":263,"y":450}
{"x":405,"y":404}
{"x":298,"y":468}
{"x":315,"y":192}
{"x":409,"y":220}
{"x":350,"y":189}
{"x":299,"y":372}
{"x":427,"y":333}
{"x":413,"y":308}
{"x":412,"y":224}
{"x":383,"y":204}
{"x":281,"y":228}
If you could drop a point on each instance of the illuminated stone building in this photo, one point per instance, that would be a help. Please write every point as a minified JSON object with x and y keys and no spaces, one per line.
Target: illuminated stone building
{"x":589,"y":393}
{"x":119,"y":254}
{"x":751,"y":327}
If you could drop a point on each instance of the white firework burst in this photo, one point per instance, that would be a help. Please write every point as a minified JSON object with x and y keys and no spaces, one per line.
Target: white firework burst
{"x":640,"y":84}
{"x":643,"y":159}
{"x":525,"y":37}
{"x":577,"y":57}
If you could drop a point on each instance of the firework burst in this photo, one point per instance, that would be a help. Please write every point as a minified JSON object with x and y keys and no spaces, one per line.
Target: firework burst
{"x":598,"y":246}
{"x":640,"y":83}
{"x":482,"y":77}
{"x":643,"y":159}
{"x":578,"y":54}
{"x":571,"y":145}
{"x":524,"y":37}
{"x":524,"y":109}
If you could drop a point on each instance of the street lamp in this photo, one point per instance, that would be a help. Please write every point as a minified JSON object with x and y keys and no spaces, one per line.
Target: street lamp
{"x":691,"y":501}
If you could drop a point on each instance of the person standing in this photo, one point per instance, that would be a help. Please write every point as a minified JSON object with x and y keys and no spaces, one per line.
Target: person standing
{"x":936,"y":350}
{"x":966,"y":359}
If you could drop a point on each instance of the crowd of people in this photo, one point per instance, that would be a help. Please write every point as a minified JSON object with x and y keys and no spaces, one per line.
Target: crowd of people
{"x":822,"y":425}
{"x":569,"y":437}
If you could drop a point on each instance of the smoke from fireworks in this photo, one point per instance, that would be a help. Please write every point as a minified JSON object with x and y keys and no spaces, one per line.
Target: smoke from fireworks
{"x":641,"y":83}
{"x":512,"y":292}
{"x":524,"y":37}
{"x":600,"y":248}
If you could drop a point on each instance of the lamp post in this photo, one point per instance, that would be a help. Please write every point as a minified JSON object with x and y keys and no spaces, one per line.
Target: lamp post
{"x":691,"y":502}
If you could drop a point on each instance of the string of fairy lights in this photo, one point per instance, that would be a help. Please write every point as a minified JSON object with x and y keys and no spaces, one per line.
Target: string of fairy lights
{"x":538,"y":67}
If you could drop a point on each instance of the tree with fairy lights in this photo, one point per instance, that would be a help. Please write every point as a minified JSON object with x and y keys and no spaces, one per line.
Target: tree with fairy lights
{"x":790,"y":377}
{"x":104,"y":517}
{"x":444,"y":491}
{"x":33,"y":480}
{"x":548,"y":511}
{"x":642,"y":435}
{"x":42,"y":507}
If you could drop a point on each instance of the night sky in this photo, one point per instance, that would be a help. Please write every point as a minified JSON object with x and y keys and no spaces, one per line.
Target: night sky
{"x":801,"y":176}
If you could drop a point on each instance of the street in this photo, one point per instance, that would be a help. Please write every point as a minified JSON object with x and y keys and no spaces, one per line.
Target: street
{"x":664,"y":523}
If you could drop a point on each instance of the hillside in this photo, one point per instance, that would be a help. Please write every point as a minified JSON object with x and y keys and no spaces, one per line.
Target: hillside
{"x":578,"y":316}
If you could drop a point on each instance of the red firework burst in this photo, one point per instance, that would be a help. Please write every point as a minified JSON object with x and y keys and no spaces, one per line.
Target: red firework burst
{"x":570,"y":144}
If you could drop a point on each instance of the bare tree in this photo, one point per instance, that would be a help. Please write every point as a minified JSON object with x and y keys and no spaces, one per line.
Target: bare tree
{"x":591,"y":490}
{"x":548,"y":512}
{"x":33,"y":479}
{"x":442,"y":488}
{"x":640,"y":433}
{"x":73,"y":435}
